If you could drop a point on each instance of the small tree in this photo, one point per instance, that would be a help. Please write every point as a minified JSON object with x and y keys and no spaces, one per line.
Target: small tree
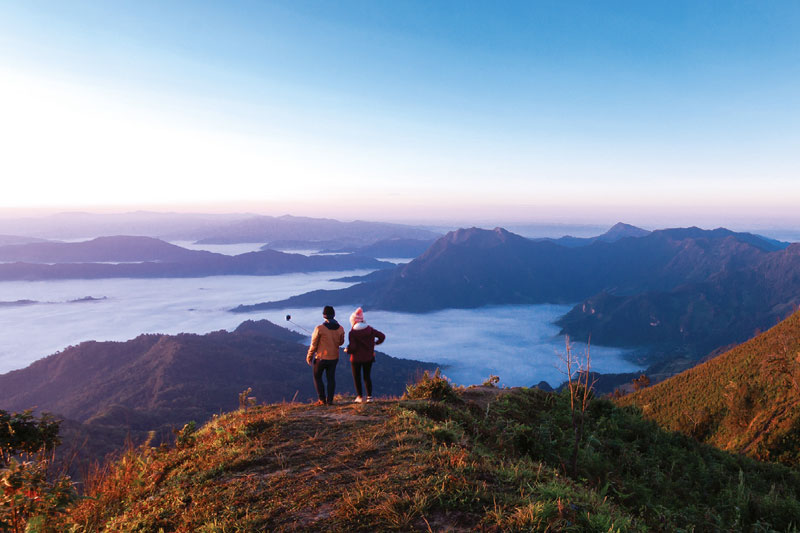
{"x":642,"y":382}
{"x":580,"y":384}
{"x":245,"y":400}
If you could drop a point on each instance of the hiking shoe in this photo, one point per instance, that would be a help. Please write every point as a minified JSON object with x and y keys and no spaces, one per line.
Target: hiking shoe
{"x":369,"y":399}
{"x":358,"y":399}
{"x":320,"y":402}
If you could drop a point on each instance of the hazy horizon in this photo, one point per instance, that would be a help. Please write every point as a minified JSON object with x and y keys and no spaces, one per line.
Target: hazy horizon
{"x":531,"y":227}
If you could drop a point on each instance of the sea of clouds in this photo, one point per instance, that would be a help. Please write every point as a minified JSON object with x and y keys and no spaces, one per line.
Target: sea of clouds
{"x":519,"y":343}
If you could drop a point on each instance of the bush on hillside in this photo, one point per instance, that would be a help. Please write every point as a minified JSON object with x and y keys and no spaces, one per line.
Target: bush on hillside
{"x":435,"y":387}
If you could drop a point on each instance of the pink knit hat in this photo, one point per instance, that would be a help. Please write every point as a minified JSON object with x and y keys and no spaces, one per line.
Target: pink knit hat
{"x":357,"y":316}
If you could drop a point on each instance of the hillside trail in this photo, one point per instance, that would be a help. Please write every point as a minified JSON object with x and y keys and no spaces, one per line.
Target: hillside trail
{"x":356,"y":444}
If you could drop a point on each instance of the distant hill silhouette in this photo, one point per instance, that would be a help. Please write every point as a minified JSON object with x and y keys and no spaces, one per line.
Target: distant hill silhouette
{"x":102,"y":249}
{"x":145,"y":257}
{"x":746,"y":400}
{"x":618,"y":231}
{"x":208,"y":228}
{"x":155,"y":382}
{"x":80,"y":225}
{"x":707,"y":287}
{"x":267,"y":229}
{"x":315,"y":245}
{"x":388,"y":248}
{"x":17,"y":239}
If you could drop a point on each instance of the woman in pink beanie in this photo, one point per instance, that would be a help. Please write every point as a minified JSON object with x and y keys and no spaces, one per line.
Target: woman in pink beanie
{"x":361,"y":347}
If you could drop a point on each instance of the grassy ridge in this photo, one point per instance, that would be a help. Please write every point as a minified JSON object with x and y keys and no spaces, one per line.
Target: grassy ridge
{"x":746,"y":400}
{"x":480,"y":459}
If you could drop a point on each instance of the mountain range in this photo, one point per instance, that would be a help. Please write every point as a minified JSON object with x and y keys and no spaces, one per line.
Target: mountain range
{"x":618,"y":231}
{"x":146,"y":257}
{"x":682,"y":291}
{"x":208,"y":228}
{"x":266,"y":229}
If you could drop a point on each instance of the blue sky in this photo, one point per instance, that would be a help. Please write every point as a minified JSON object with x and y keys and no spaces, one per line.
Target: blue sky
{"x":492,"y":112}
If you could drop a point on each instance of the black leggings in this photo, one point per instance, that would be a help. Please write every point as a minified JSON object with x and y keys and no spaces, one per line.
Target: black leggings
{"x":329,"y":367}
{"x":356,"y":368}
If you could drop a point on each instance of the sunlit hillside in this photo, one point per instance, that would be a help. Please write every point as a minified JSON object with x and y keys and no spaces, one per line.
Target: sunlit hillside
{"x":746,"y":400}
{"x":482,"y":459}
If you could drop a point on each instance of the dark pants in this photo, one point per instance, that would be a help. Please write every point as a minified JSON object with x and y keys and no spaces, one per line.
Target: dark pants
{"x":357,"y":368}
{"x":329,"y":367}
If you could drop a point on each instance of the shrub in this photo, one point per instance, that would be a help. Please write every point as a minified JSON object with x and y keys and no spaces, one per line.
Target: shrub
{"x":436,"y":388}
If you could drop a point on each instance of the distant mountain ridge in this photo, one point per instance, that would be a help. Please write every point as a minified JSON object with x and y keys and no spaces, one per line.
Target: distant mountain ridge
{"x":387,"y":248}
{"x":17,"y":239}
{"x":120,"y":248}
{"x":81,"y":225}
{"x":746,"y":400}
{"x":146,"y":257}
{"x":266,"y":229}
{"x":688,"y":270}
{"x":728,"y":306}
{"x":618,"y":231}
{"x":208,"y":228}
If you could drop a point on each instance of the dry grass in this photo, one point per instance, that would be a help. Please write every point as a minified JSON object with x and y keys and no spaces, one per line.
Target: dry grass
{"x":485,"y":462}
{"x":292,"y":467}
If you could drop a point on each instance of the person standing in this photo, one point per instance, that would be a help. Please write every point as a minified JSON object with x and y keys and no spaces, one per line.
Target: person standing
{"x":361,"y":347}
{"x":323,"y":354}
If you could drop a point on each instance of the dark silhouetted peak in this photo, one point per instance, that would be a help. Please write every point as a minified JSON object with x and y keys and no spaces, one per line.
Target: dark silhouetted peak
{"x":620,"y":230}
{"x":481,"y":237}
{"x":118,"y":248}
{"x":265,"y":328}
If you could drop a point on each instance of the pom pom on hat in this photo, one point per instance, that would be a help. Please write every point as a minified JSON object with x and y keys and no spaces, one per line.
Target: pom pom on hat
{"x":357,"y":316}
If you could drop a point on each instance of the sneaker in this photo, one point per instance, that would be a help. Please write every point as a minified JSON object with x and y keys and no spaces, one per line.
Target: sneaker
{"x":369,"y":399}
{"x":358,"y":399}
{"x":320,"y":402}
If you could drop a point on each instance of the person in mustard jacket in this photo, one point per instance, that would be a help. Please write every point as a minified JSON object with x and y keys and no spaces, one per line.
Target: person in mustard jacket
{"x":323,"y":354}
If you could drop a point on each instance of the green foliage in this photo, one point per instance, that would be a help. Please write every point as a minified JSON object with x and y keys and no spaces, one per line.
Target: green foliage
{"x":245,"y":400}
{"x":184,"y":437}
{"x":491,"y":381}
{"x":435,"y":387}
{"x":25,"y":435}
{"x":31,"y":500}
{"x":663,"y":480}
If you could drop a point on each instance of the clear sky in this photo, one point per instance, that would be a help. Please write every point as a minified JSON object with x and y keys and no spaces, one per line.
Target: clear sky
{"x":649,"y":112}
